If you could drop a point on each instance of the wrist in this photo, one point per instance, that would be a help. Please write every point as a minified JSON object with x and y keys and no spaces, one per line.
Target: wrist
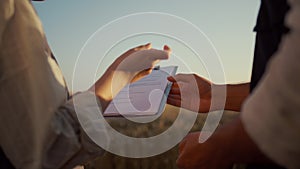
{"x":109,"y":85}
{"x":218,"y":97}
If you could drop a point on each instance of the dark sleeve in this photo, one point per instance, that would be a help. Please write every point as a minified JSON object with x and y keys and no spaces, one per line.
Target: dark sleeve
{"x":270,"y":28}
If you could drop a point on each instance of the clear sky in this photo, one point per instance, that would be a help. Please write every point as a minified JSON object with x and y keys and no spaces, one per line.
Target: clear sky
{"x":228,"y":24}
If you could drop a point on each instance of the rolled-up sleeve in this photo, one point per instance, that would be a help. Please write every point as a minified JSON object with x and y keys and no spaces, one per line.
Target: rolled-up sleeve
{"x":68,"y":141}
{"x":271,"y":115}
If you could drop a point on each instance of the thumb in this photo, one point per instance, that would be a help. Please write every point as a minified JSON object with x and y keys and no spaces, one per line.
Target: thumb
{"x":171,"y":79}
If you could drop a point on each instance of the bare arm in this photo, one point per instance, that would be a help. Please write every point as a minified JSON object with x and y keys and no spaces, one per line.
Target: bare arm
{"x":193,"y":92}
{"x":236,"y":95}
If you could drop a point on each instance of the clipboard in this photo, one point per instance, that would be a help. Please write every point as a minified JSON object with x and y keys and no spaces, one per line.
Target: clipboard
{"x":145,"y":97}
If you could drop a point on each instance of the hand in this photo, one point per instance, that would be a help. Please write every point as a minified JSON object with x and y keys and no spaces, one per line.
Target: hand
{"x":129,"y":67}
{"x":211,"y":154}
{"x":191,"y":92}
{"x":139,"y":61}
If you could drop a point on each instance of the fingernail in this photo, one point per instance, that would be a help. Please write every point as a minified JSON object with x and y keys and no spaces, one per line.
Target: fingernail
{"x":167,"y":48}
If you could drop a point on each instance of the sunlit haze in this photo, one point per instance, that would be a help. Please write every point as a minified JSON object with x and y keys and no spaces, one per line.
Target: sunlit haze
{"x":228,"y":24}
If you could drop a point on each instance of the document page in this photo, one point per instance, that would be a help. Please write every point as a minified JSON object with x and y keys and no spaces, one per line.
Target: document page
{"x":144,"y":97}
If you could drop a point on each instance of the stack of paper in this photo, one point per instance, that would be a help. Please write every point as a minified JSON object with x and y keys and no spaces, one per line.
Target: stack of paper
{"x":144,"y":97}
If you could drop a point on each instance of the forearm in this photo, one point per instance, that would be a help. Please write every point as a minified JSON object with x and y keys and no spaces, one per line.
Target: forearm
{"x":235,"y":95}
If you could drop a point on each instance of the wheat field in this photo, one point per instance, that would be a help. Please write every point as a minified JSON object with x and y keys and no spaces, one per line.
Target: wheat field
{"x":166,"y":160}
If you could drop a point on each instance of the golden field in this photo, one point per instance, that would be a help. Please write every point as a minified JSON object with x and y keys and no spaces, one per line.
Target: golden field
{"x":166,"y":160}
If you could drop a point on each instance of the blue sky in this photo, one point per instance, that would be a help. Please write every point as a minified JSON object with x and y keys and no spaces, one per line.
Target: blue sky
{"x":228,"y":24}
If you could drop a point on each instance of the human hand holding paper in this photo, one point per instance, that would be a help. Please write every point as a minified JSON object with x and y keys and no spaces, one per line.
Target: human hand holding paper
{"x":190,"y":91}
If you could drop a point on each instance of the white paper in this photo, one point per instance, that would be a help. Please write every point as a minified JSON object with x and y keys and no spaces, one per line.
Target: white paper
{"x":144,"y":97}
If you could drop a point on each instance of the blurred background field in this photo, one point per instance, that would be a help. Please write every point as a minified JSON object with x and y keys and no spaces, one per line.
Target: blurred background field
{"x":166,"y":160}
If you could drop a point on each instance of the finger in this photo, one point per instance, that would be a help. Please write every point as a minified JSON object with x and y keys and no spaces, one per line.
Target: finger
{"x":141,"y":74}
{"x":156,"y":54}
{"x":175,"y":90}
{"x":175,"y":85}
{"x":143,"y":47}
{"x":178,"y":88}
{"x":138,"y":48}
{"x":167,"y":49}
{"x":174,"y":102}
{"x":171,"y":79}
{"x":174,"y":96}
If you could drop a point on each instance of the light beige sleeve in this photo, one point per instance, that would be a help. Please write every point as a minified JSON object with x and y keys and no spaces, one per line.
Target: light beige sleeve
{"x":38,"y":125}
{"x":271,"y":115}
{"x":68,"y":143}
